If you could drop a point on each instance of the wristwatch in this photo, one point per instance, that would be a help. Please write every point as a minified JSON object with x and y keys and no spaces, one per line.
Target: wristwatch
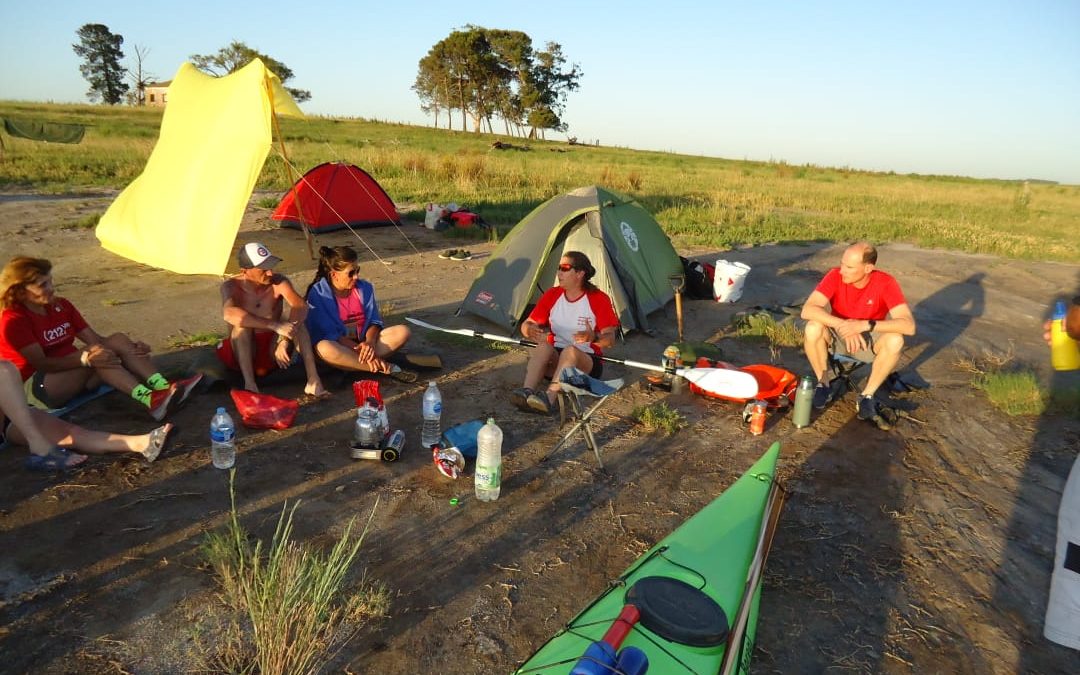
{"x":872,"y":325}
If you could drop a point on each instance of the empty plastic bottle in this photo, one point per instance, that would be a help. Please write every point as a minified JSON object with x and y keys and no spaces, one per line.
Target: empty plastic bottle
{"x":432,"y":410}
{"x":222,"y":440}
{"x":1064,"y":351}
{"x":804,"y":396}
{"x":488,"y":475}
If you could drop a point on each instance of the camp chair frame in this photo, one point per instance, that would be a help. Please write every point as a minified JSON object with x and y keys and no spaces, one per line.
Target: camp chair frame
{"x":572,"y":407}
{"x":844,"y":367}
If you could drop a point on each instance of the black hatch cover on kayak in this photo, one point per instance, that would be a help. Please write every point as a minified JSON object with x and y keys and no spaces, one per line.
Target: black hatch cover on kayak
{"x":678,"y":612}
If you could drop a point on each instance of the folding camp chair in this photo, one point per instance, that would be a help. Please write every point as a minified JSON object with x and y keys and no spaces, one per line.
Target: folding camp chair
{"x":845,"y":368}
{"x":574,"y":384}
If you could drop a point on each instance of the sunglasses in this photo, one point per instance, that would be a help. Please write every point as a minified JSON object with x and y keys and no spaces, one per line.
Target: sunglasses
{"x":563,"y":267}
{"x":352,"y":272}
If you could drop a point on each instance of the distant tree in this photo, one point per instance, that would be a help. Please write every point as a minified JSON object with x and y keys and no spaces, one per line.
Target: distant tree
{"x":487,"y":72}
{"x":237,"y":55}
{"x":139,"y":77}
{"x":99,"y":48}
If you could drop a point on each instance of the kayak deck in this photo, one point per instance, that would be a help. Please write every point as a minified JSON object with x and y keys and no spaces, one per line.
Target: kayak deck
{"x":712,"y":551}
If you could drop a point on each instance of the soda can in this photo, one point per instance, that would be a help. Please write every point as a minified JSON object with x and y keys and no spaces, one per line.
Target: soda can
{"x":391,"y":452}
{"x":757,"y":418}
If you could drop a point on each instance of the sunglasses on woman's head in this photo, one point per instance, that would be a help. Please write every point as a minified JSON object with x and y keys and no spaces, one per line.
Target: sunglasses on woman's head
{"x":563,"y":267}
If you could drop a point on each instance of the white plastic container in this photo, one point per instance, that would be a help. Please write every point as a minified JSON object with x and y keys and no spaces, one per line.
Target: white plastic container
{"x":488,"y":474}
{"x":729,"y":280}
{"x":432,"y":215}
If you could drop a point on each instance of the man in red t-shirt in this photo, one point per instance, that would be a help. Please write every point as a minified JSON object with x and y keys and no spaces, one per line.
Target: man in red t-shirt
{"x":863,"y":312}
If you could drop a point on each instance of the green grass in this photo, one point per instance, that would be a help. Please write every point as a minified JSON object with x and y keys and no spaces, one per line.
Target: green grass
{"x":87,"y":222}
{"x":1014,"y":388}
{"x":659,"y":417}
{"x":195,"y":340}
{"x":1014,"y":393}
{"x":700,"y":201}
{"x":783,"y":333}
{"x":289,"y":605}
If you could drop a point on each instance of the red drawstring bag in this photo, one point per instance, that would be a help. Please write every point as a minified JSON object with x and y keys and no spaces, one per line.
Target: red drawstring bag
{"x":774,"y":384}
{"x":263,"y":411}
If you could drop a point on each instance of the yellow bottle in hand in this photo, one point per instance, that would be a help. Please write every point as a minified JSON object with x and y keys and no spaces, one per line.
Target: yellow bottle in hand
{"x":1064,"y":351}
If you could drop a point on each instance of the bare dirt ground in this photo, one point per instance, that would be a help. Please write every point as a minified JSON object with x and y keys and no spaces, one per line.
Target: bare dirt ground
{"x":923,"y":549}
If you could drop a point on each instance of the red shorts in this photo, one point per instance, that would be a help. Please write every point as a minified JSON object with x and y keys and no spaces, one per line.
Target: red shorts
{"x":265,"y":342}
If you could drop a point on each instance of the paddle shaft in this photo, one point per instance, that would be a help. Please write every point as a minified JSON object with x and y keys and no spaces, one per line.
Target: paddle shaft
{"x":717,"y":381}
{"x":768,"y":528}
{"x":529,"y":343}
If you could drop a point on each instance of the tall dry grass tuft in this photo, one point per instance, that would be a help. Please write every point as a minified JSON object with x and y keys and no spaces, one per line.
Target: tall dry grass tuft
{"x":290,"y":607}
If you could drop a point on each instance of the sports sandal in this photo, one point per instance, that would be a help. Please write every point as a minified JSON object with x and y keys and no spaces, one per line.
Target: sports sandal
{"x":158,"y":437}
{"x":538,"y":401}
{"x":461,"y":255}
{"x":520,"y":398}
{"x":58,"y":459}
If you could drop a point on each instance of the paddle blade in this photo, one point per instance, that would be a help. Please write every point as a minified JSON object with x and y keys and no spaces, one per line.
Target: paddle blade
{"x":722,"y":381}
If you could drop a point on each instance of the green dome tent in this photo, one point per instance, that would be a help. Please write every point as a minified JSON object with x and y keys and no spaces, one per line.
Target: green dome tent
{"x":632,"y":256}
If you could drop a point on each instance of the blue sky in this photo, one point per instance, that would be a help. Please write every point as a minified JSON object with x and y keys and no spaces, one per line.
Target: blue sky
{"x":986,"y":89}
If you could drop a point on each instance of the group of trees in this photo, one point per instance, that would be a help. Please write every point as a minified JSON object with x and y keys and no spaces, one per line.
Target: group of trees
{"x":100,"y":50}
{"x":483,"y":73}
{"x":487,"y":73}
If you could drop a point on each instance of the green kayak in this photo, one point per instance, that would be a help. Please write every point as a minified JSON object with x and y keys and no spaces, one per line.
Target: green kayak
{"x":689,"y":604}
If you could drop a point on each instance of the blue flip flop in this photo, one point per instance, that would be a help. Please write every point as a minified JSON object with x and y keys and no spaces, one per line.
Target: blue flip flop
{"x":56,"y":460}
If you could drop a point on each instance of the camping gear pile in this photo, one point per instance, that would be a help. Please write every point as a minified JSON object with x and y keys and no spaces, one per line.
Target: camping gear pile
{"x":439,"y":218}
{"x":372,"y":436}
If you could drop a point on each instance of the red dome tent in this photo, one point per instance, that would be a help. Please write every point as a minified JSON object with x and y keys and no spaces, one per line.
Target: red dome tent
{"x":335,"y":195}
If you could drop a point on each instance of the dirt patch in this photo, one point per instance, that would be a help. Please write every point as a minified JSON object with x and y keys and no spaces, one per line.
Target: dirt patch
{"x":926,"y":548}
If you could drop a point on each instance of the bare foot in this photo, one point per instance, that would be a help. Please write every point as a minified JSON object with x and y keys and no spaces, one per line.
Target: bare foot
{"x":316,"y":390}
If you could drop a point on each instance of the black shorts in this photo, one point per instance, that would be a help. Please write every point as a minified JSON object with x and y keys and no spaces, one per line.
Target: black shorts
{"x":36,"y":395}
{"x":597,"y":365}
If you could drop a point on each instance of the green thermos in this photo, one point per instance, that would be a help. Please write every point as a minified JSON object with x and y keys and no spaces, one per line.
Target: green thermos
{"x":804,"y":395}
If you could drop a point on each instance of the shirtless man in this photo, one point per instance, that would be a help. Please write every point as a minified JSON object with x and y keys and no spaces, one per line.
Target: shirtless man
{"x":253,"y":303}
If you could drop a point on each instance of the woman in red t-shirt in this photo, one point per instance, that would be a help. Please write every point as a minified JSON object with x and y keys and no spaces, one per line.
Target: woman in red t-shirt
{"x":571,"y":323}
{"x":38,"y":330}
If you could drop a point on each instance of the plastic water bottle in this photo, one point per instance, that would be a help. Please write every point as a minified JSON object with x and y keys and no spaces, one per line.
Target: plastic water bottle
{"x":432,"y":410}
{"x":804,"y":395}
{"x":1064,"y":351}
{"x":222,"y":440}
{"x":488,"y":476}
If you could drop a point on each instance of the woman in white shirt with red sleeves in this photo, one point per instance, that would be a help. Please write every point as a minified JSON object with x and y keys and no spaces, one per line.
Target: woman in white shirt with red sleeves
{"x":572,"y":323}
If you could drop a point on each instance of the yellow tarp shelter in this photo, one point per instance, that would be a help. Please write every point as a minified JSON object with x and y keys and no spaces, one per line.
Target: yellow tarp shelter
{"x":183,"y":212}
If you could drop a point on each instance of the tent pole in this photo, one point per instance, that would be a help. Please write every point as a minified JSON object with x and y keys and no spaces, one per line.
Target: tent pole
{"x":289,"y":168}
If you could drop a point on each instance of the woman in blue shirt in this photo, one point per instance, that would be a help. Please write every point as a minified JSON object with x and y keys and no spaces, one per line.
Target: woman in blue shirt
{"x":344,"y":322}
